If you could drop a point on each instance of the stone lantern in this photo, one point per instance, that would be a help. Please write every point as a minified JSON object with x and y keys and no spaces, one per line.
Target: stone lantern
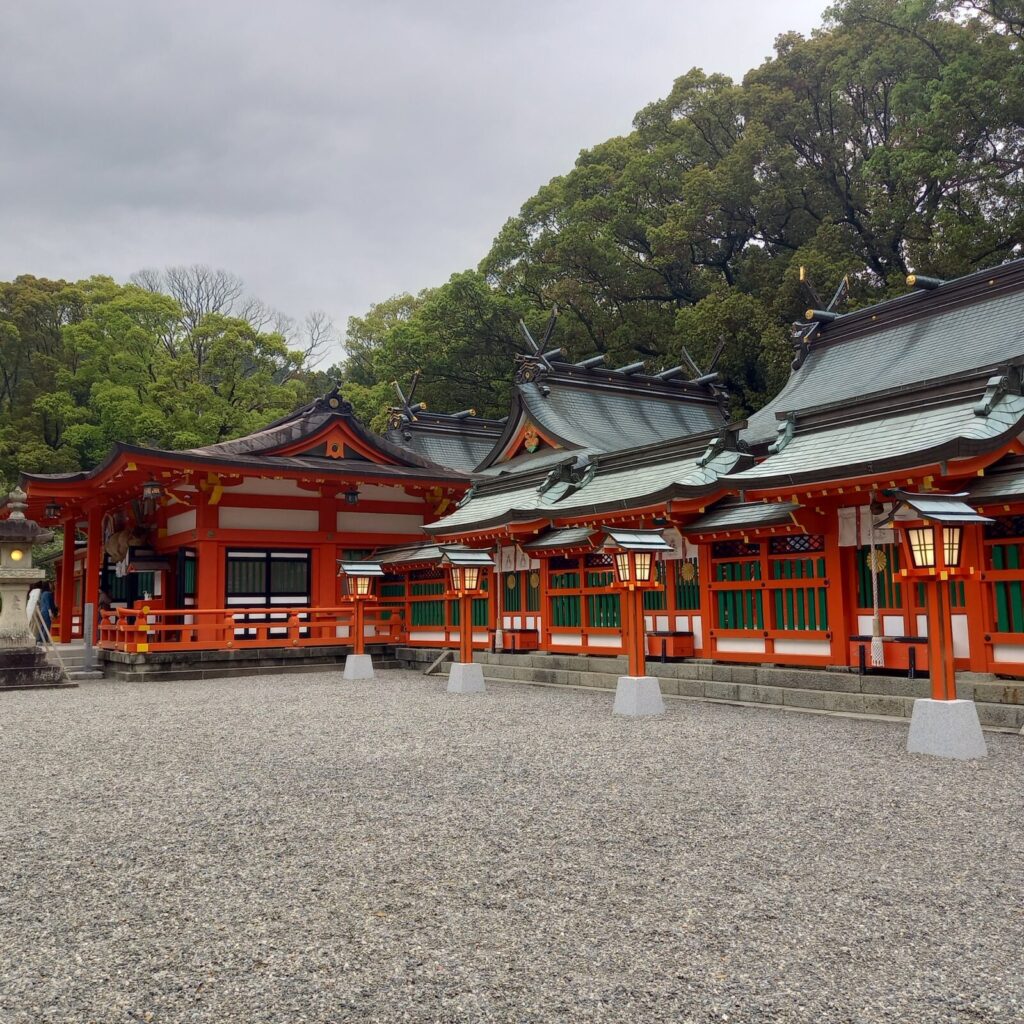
{"x":22,"y":663}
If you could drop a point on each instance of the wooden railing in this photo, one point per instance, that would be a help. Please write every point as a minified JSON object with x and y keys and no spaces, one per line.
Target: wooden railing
{"x":138,"y":630}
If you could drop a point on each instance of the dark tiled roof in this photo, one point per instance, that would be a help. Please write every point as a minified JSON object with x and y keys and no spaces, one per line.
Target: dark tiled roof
{"x":603,"y":411}
{"x":739,"y":515}
{"x":972,"y":323}
{"x":1003,"y":482}
{"x":460,"y":442}
{"x":568,"y":538}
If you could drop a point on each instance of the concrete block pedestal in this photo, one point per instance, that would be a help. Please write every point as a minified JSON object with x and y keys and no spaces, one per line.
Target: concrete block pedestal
{"x":466,"y":678}
{"x":638,"y":695}
{"x":946,"y":728}
{"x":358,"y":666}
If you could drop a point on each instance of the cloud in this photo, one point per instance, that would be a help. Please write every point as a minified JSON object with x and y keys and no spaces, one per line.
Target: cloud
{"x":330,"y":153}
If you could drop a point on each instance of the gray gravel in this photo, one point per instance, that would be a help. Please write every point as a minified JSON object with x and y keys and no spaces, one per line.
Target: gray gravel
{"x":289,"y":849}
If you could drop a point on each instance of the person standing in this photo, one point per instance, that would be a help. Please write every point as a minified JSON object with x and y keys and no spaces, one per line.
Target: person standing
{"x":47,"y":609}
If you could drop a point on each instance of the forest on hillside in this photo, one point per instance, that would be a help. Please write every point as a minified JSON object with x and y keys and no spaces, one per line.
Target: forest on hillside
{"x":890,"y":140}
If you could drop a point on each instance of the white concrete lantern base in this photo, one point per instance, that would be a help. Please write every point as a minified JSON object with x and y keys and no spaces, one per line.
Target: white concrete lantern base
{"x":466,"y":678}
{"x":638,"y":695}
{"x":358,"y":666}
{"x":946,"y":728}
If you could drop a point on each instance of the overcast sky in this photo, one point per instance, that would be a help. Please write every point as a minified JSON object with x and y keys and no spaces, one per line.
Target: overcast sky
{"x":330,"y":152}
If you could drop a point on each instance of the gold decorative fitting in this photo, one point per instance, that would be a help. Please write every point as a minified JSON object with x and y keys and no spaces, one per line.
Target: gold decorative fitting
{"x":877,"y":561}
{"x":687,"y":572}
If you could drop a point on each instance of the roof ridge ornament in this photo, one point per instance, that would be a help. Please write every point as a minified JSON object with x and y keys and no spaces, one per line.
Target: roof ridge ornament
{"x":804,"y":333}
{"x":335,"y":401}
{"x":534,"y":364}
{"x":786,"y":430}
{"x":575,"y":473}
{"x":406,"y":412}
{"x":999,"y":387}
{"x":728,"y":440}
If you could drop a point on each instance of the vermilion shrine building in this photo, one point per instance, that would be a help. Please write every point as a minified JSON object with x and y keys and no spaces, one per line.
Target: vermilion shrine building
{"x":778,"y":524}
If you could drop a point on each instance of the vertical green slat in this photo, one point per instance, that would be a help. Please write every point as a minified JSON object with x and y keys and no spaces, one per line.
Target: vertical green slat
{"x":1015,"y":590}
{"x":1002,"y":607}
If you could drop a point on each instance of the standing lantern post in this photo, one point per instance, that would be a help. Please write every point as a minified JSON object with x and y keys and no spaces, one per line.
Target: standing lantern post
{"x":634,"y":553}
{"x":933,"y":554}
{"x":467,"y":574}
{"x":358,"y":580}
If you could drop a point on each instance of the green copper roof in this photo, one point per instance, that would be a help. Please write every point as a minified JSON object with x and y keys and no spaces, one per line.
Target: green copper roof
{"x":627,"y":482}
{"x":964,"y":325}
{"x":884,"y":443}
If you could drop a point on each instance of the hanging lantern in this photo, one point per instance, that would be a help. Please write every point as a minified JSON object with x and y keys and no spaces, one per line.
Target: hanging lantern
{"x":352,"y":495}
{"x":358,"y":579}
{"x":152,"y":490}
{"x":52,"y":510}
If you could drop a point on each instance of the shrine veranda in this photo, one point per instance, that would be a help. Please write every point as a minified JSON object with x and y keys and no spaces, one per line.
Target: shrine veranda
{"x":783,"y":548}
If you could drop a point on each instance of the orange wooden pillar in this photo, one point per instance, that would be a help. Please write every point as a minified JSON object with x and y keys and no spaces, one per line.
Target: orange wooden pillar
{"x":209,"y":585}
{"x":358,"y":629}
{"x":940,"y":640}
{"x":93,"y":568}
{"x":635,"y":639}
{"x":465,"y":629}
{"x":325,"y":588}
{"x":66,"y":598}
{"x":836,"y":596}
{"x":707,"y":602}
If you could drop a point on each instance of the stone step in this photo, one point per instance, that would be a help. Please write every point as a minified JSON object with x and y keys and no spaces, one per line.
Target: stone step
{"x":849,"y":692}
{"x":80,"y":675}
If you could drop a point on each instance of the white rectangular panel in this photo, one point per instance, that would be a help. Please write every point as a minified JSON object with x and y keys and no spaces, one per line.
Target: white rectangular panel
{"x":269,"y":519}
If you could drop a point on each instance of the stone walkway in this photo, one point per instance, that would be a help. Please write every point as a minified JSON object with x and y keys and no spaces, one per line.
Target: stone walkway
{"x":286,"y":849}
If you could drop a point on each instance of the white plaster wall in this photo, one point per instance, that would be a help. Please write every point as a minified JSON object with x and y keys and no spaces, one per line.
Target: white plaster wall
{"x":182,"y":522}
{"x":1011,"y":654}
{"x":740,"y":644}
{"x":259,"y":485}
{"x":379,"y":522}
{"x":304,"y":520}
{"x":567,"y":639}
{"x":378,"y":492}
{"x":892,"y":625}
{"x":604,"y":641}
{"x":961,"y":639}
{"x":808,"y":647}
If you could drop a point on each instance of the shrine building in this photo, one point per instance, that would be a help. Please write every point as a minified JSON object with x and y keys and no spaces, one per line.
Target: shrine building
{"x":782,"y":528}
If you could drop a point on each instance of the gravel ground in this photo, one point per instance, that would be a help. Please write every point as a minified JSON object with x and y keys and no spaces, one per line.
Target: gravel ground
{"x":292,"y":849}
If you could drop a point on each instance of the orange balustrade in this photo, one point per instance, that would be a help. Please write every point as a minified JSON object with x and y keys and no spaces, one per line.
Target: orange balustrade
{"x":142,"y":629}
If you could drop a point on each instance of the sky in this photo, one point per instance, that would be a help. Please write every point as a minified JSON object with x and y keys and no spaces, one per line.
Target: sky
{"x":331,"y":153}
